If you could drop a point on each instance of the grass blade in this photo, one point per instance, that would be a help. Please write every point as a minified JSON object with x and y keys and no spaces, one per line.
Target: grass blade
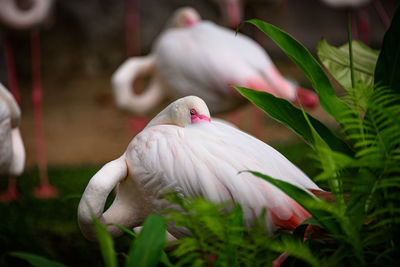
{"x":147,"y":248}
{"x":106,"y":243}
{"x":36,"y":261}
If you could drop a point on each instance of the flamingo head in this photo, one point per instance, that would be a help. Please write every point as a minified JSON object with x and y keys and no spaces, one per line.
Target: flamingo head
{"x":184,"y":17}
{"x":182,"y":112}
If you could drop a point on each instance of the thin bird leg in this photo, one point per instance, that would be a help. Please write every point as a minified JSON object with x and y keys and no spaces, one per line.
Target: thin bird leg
{"x":45,"y":190}
{"x":11,"y":194}
{"x":132,"y":23}
{"x":382,"y":13}
{"x":364,"y":25}
{"x":11,"y":73}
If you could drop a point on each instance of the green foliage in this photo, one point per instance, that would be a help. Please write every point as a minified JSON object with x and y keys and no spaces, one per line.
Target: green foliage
{"x":106,"y":243}
{"x":362,"y":228}
{"x":219,"y":238}
{"x":309,"y":66}
{"x":337,"y":61}
{"x":36,"y":261}
{"x":148,"y":246}
{"x":146,"y":249}
{"x":387,"y":70}
{"x":286,"y":113}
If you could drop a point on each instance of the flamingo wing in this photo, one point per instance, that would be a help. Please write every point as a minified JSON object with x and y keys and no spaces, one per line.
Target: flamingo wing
{"x":190,"y":66}
{"x":205,"y":159}
{"x":206,"y":59}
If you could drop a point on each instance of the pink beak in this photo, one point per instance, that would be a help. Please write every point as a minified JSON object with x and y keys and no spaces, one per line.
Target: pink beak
{"x":196,"y":118}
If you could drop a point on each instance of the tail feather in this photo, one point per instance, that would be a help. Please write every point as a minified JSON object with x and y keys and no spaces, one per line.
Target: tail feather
{"x":299,"y":214}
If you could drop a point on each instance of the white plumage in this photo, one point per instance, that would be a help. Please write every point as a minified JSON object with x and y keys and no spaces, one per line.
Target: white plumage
{"x":12,"y":152}
{"x":182,"y":150}
{"x":195,"y":57}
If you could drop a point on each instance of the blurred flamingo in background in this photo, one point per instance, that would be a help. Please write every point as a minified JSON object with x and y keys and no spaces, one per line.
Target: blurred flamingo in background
{"x":232,"y":12}
{"x":195,"y":57}
{"x":184,"y":150}
{"x":29,"y":17}
{"x":12,"y":152}
{"x":132,"y":26}
{"x":362,"y":27}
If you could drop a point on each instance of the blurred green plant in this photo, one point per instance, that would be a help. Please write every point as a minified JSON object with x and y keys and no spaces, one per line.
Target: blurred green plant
{"x":146,"y":248}
{"x":219,"y":238}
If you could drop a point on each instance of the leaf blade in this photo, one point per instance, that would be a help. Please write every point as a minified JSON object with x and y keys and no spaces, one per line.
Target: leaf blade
{"x":147,"y":248}
{"x":284,"y":112}
{"x":308,"y":65}
{"x":387,"y":71}
{"x":35,"y":260}
{"x":336,"y":61}
{"x":106,"y":243}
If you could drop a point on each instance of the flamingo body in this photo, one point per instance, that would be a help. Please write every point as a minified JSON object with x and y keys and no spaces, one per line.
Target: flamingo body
{"x":183,"y":150}
{"x":12,"y":152}
{"x":195,"y":57}
{"x":206,"y":59}
{"x":346,"y":3}
{"x":29,"y":19}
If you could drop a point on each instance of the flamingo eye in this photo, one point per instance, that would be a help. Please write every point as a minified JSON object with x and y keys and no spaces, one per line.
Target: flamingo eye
{"x":193,"y":111}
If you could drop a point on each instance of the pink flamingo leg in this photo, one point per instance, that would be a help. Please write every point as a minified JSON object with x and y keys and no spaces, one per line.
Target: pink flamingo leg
{"x":382,"y":13}
{"x":354,"y":31}
{"x":132,"y":38}
{"x":45,"y":190}
{"x":11,"y":74}
{"x":364,"y":25}
{"x":12,"y":192}
{"x":132,"y":28}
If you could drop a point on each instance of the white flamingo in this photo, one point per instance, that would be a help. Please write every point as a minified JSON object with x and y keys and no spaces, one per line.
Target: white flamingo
{"x":197,"y":57}
{"x":12,"y":152}
{"x":184,"y":150}
{"x":29,"y":19}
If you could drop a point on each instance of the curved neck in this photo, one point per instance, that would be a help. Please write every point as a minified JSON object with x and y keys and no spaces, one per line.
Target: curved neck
{"x":20,"y":19}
